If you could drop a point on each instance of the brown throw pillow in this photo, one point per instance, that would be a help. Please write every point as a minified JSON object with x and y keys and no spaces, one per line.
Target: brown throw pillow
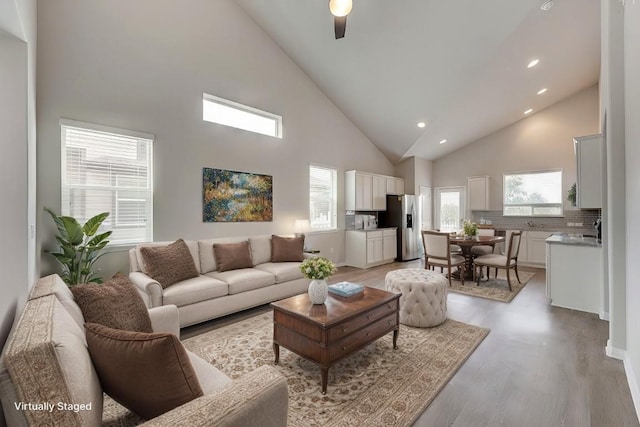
{"x":169,"y":264}
{"x":116,"y":304}
{"x":149,"y":374}
{"x":286,"y":249}
{"x":231,"y":256}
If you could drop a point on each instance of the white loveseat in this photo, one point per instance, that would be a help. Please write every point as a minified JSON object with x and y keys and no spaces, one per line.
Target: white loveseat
{"x":213,"y":293}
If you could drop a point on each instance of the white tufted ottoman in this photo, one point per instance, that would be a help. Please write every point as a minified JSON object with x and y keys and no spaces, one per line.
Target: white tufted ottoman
{"x":424,"y":296}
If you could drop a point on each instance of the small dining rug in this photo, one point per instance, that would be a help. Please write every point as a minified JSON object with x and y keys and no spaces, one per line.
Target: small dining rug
{"x":495,"y":289}
{"x":377,"y":386}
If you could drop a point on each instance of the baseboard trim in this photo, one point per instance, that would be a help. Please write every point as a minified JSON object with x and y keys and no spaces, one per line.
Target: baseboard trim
{"x":604,"y":315}
{"x":613,"y":352}
{"x":632,"y":379}
{"x":341,"y":264}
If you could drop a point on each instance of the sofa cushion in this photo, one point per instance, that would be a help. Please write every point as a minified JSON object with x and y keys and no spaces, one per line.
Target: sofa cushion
{"x":137,"y":260}
{"x":116,"y":304}
{"x":149,"y":374}
{"x":210,"y":378}
{"x":194,"y":290}
{"x":169,"y":264}
{"x":287,"y":249}
{"x":232,"y":256}
{"x":260,"y":249}
{"x":283,"y":271}
{"x":245,"y":279}
{"x":205,"y":251}
{"x":48,"y":361}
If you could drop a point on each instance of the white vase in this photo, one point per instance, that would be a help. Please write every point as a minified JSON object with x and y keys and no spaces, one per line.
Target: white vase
{"x":318,"y":291}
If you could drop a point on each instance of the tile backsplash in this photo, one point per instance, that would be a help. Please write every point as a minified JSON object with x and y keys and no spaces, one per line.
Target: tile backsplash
{"x":586,"y":217}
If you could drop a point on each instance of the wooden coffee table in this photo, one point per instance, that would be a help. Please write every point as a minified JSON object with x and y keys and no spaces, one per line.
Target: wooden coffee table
{"x":328,"y":332}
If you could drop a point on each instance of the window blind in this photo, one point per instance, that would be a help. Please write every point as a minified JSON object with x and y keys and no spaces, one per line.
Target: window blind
{"x":322,"y":198}
{"x":108,"y":171}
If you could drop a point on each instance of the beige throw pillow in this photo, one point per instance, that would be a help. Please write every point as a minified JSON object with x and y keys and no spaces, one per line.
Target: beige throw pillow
{"x":287,"y":249}
{"x":149,"y":374}
{"x":169,"y":264}
{"x":231,"y":256}
{"x":116,"y":304}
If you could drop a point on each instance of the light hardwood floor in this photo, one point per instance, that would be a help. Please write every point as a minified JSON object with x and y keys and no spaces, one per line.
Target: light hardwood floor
{"x":540,"y":365}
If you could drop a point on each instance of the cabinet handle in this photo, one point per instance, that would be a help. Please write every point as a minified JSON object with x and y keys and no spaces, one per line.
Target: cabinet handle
{"x":344,"y":330}
{"x":368,"y":333}
{"x":389,"y":321}
{"x":344,"y":348}
{"x":389,"y":306}
{"x":369,"y":316}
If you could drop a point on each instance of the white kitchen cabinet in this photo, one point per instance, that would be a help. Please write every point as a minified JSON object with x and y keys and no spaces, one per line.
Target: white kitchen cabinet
{"x":478,"y":193}
{"x":395,"y":185}
{"x":588,"y":150}
{"x":379,"y":198}
{"x":365,"y":191}
{"x":535,"y":253}
{"x":575,"y":277}
{"x":366,"y":249}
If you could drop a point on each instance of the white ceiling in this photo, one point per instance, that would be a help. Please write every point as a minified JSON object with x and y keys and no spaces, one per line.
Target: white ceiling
{"x":459,"y":65}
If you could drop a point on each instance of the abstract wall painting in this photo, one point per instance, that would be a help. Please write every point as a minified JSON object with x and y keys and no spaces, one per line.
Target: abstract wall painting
{"x":229,"y":196}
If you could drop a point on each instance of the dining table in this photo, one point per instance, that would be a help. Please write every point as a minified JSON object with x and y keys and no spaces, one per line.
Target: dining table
{"x":467,"y":242}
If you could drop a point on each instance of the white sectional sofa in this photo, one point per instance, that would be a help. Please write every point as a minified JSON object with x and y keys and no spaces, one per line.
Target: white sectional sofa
{"x":213,"y":293}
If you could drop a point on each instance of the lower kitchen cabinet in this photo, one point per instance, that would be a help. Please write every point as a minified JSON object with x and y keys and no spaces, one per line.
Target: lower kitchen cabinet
{"x":535,"y":252}
{"x":575,"y":277}
{"x":368,"y":248}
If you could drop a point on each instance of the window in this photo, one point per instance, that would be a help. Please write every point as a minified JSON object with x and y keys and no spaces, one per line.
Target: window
{"x":108,"y":170}
{"x":229,"y":113}
{"x":322,"y":198}
{"x":450,"y":208}
{"x":533,"y":194}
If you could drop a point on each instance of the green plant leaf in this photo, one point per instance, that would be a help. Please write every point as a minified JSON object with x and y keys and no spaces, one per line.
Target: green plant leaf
{"x":99,"y":238}
{"x":74,"y":231}
{"x":91,"y":226}
{"x":59,"y":224}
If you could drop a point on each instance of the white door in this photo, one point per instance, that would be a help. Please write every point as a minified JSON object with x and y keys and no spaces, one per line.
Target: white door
{"x":426,"y":203}
{"x":449,"y":208}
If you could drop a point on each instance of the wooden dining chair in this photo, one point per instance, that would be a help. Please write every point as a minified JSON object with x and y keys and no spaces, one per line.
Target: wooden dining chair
{"x":437,"y":253}
{"x":507,"y":261}
{"x":480,"y":250}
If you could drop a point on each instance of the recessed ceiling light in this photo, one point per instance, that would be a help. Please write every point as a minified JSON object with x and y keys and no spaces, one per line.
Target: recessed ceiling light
{"x":528,"y":111}
{"x":541,"y":91}
{"x":547,"y":5}
{"x":421,"y":124}
{"x":533,"y":63}
{"x":443,"y":141}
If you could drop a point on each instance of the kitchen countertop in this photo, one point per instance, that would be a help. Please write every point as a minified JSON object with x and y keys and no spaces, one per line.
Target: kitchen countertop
{"x":573,"y":239}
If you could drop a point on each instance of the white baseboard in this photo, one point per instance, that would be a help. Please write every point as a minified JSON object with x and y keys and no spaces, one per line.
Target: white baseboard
{"x":632,"y":379}
{"x":341,"y":264}
{"x":613,"y":352}
{"x":604,"y":315}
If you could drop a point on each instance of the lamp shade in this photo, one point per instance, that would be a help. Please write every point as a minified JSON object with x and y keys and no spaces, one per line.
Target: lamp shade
{"x":340,"y":7}
{"x":301,"y":226}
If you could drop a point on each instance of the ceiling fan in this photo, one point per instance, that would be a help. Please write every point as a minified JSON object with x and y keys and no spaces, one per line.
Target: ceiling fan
{"x":340,"y":9}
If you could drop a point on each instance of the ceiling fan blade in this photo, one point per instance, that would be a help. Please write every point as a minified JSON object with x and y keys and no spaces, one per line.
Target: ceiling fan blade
{"x":340,"y":24}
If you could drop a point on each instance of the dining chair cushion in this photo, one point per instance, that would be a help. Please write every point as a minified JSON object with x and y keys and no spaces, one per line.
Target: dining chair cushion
{"x":455,"y":249}
{"x":481,"y":250}
{"x":455,"y":260}
{"x":493,"y":260}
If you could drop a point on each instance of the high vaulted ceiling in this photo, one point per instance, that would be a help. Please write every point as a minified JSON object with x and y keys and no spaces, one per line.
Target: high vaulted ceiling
{"x":458,"y":65}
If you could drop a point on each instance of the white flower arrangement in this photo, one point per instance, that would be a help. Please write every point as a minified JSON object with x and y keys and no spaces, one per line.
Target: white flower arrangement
{"x":317,"y":268}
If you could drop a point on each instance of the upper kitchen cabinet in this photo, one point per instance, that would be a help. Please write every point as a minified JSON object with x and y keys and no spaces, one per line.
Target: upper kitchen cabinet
{"x":364,"y":191}
{"x":395,"y":185}
{"x":589,"y":183}
{"x":478,"y":193}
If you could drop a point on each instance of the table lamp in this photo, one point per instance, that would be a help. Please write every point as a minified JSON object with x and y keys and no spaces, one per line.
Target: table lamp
{"x":301,"y":227}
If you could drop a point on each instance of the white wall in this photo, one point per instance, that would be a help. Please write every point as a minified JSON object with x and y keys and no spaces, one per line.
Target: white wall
{"x":542,"y":141}
{"x":143,"y":66}
{"x":17,"y":142}
{"x":632,"y":157}
{"x":416,"y":171}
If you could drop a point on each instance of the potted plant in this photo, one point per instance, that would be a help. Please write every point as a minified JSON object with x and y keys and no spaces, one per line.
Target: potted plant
{"x":571,"y":194}
{"x":318,"y":269}
{"x":80,"y":247}
{"x":470,"y":228}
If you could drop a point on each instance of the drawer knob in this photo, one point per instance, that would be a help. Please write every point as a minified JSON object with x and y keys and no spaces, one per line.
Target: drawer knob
{"x":368,"y":333}
{"x":389,"y":306}
{"x":389,"y":321}
{"x":344,"y":330}
{"x":344,"y":348}
{"x":369,"y":316}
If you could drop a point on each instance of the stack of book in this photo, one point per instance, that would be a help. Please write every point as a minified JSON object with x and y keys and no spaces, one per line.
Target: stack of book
{"x":346,"y":290}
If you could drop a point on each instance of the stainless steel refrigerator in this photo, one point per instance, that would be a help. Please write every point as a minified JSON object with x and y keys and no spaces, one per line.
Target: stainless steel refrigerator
{"x":403,"y":212}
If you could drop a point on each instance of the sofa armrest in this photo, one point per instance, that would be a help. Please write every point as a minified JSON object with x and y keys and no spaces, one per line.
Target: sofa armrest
{"x":149,"y":288}
{"x":258,"y":399}
{"x":165,"y":319}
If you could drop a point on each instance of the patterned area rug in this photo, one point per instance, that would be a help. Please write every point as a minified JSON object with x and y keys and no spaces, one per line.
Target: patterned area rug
{"x":494,"y":289}
{"x":377,"y":386}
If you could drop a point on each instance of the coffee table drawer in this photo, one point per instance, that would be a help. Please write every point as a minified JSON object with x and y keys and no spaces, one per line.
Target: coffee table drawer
{"x":347,"y":328}
{"x":363,"y":337}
